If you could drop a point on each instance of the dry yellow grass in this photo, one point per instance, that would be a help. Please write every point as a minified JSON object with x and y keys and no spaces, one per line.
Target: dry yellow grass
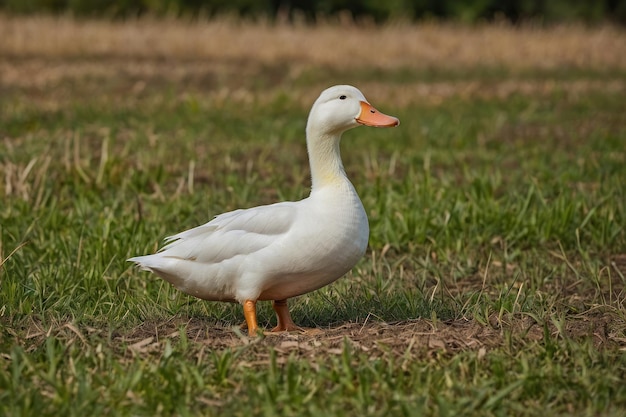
{"x":413,"y":46}
{"x":44,"y":52}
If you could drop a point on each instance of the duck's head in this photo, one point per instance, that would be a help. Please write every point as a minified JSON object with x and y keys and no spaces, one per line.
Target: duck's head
{"x":343,"y":107}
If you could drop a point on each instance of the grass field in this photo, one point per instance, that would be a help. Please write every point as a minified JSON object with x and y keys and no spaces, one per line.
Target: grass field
{"x":494,"y":282}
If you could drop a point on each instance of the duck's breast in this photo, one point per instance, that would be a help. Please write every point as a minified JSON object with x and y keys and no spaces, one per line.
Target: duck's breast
{"x":329,"y":236}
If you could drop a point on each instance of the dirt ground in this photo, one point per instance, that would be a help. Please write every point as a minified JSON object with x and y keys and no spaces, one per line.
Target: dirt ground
{"x":419,"y":338}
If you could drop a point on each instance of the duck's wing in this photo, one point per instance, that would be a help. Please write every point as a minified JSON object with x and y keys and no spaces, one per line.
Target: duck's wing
{"x":239,"y":232}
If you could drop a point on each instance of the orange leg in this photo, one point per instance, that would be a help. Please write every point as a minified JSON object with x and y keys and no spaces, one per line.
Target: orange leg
{"x":285,"y":323}
{"x":249,"y":312}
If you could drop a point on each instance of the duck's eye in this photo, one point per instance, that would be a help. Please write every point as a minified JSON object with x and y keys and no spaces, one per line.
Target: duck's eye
{"x":342,"y":97}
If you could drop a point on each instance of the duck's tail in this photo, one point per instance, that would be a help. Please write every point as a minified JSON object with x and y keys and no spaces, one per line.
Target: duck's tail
{"x":143,"y":262}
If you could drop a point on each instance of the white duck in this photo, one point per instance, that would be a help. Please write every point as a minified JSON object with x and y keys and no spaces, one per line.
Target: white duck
{"x":282,"y":250}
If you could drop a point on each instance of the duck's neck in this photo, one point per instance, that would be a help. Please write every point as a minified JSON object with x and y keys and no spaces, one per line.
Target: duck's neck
{"x":325,"y":160}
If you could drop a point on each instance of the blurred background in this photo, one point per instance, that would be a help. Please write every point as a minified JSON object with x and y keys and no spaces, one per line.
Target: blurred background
{"x":552,"y":11}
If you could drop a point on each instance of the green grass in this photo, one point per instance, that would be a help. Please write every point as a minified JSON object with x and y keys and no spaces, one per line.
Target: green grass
{"x":498,"y":215}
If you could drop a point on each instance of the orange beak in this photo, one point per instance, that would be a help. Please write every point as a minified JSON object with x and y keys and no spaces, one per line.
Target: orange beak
{"x":369,"y":116}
